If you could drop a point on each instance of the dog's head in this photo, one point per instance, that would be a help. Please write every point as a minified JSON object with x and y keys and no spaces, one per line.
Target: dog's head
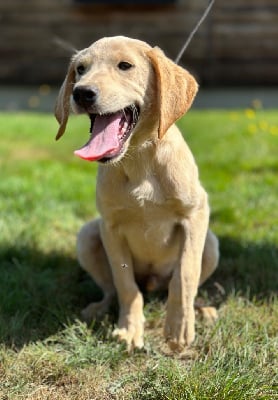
{"x":124,"y":86}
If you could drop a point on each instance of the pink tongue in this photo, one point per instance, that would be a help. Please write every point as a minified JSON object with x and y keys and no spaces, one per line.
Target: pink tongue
{"x":105,"y":138}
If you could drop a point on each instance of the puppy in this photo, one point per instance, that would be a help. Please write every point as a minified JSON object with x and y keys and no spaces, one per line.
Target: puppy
{"x":154,"y":213}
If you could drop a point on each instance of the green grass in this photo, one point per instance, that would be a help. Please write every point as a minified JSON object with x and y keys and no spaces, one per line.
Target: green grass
{"x":46,"y":194}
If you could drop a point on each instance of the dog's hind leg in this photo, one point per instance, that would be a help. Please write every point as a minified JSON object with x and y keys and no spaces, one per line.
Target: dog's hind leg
{"x":210,"y":257}
{"x":209,"y":263}
{"x":92,"y":258}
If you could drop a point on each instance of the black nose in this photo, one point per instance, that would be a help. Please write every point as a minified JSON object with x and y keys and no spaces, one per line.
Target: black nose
{"x":85,"y":95}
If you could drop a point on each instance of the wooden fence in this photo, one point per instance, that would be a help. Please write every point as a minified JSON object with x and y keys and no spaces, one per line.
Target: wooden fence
{"x":236,"y":45}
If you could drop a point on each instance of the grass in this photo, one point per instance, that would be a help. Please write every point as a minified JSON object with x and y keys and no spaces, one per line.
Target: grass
{"x":46,"y":194}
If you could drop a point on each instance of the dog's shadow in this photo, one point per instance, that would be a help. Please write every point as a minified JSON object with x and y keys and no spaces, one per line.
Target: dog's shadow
{"x":41,"y":292}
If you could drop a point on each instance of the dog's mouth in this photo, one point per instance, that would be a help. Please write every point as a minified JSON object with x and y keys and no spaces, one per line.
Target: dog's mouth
{"x":108,"y":134}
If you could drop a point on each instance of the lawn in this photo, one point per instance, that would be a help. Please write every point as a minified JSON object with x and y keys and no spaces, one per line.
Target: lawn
{"x":46,"y":194}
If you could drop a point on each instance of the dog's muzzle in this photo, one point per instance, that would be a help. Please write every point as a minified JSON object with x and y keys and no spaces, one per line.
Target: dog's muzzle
{"x":85,"y":96}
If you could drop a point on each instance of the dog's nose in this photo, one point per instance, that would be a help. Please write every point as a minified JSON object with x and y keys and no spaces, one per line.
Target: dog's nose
{"x":85,"y":95}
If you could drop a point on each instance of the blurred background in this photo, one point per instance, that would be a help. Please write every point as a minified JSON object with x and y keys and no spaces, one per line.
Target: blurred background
{"x":235,"y":48}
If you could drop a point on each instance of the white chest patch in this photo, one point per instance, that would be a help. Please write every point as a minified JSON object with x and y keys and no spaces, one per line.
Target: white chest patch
{"x":147,"y":190}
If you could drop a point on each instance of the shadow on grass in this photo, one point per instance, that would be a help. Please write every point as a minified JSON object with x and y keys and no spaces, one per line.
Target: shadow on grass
{"x":246,"y":268}
{"x":40,"y":293}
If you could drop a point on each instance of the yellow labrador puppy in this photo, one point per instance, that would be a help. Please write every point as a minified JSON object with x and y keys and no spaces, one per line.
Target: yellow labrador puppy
{"x":154,"y":212}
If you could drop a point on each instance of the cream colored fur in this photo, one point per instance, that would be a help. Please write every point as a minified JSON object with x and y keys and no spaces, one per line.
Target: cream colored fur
{"x":154,"y":213}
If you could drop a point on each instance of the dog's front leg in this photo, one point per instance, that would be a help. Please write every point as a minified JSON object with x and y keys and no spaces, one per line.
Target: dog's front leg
{"x":131,"y":318}
{"x":179,"y":328}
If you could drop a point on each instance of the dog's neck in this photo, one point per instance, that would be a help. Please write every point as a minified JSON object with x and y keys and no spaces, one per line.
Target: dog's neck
{"x":138,"y":161}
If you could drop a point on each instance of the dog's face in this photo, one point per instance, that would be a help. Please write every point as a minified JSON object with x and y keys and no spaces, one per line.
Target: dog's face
{"x":110,"y":86}
{"x":124,"y":86}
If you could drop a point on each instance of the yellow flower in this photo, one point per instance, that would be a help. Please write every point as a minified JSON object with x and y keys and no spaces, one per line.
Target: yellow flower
{"x":250,"y":113}
{"x":263,"y":125}
{"x":273,"y":130}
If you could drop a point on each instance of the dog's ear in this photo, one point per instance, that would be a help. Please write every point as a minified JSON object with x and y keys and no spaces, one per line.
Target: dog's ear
{"x":62,"y":107}
{"x":176,"y":89}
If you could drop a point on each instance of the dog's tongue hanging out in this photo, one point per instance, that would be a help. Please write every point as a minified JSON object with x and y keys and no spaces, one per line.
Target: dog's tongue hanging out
{"x":105,"y":138}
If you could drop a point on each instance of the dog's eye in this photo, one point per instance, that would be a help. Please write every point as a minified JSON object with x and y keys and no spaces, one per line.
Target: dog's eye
{"x":81,"y":69}
{"x":124,"y":65}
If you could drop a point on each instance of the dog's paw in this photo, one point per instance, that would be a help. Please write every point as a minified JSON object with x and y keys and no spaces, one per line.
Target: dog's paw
{"x":132,"y":335}
{"x":132,"y":338}
{"x":209,"y":314}
{"x":94,"y":310}
{"x":178,"y":340}
{"x":179,"y":332}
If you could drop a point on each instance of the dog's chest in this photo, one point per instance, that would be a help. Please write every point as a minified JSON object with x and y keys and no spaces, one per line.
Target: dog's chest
{"x":145,"y":217}
{"x":144,"y":198}
{"x":141,"y":201}
{"x":146,"y":191}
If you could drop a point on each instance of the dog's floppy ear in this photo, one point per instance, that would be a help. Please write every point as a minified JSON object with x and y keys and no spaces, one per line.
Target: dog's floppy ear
{"x":176,"y":89}
{"x":62,"y":107}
